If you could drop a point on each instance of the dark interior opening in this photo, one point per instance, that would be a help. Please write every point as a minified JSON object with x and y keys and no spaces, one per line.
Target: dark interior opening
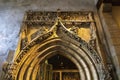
{"x":60,"y":62}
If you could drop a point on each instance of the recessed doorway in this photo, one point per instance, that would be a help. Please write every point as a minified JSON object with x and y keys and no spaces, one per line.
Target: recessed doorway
{"x":58,"y":67}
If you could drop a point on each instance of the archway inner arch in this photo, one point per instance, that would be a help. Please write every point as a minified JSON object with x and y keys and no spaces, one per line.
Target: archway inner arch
{"x":59,"y":67}
{"x":83,"y":62}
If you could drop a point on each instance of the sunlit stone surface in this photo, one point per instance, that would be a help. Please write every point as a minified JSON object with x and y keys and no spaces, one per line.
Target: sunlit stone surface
{"x":12,"y":12}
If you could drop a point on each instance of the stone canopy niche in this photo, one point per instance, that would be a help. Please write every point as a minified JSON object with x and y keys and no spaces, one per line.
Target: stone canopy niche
{"x":45,"y":34}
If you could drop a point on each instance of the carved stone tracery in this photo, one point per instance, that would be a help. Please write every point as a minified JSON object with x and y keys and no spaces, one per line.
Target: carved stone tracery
{"x":65,"y":18}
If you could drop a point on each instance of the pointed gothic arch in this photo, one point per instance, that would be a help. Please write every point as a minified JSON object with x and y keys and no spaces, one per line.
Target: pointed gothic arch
{"x":58,"y":39}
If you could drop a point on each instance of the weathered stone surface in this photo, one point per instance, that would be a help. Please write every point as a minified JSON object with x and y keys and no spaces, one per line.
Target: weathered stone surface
{"x":112,"y":33}
{"x":10,"y":56}
{"x":116,"y":14}
{"x":12,"y":12}
{"x":116,"y":41}
{"x":107,"y":7}
{"x":117,"y":48}
{"x":119,"y":59}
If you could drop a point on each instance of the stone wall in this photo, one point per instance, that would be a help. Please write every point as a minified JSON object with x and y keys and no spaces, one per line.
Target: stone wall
{"x":116,"y":14}
{"x":112,"y":33}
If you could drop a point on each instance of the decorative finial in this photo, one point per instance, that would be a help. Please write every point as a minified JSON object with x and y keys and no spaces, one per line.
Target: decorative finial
{"x":58,"y":11}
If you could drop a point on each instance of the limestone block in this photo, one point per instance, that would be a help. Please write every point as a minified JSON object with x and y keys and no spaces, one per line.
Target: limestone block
{"x":10,"y":56}
{"x":116,"y":41}
{"x":115,"y":33}
{"x":117,"y":48}
{"x":118,"y":57}
{"x":107,"y":7}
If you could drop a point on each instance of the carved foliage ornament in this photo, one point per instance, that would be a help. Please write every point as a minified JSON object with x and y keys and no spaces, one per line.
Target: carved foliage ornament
{"x":84,"y":45}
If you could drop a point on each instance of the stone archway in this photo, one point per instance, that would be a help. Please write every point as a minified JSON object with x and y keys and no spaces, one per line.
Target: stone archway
{"x":58,"y":39}
{"x":84,"y":64}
